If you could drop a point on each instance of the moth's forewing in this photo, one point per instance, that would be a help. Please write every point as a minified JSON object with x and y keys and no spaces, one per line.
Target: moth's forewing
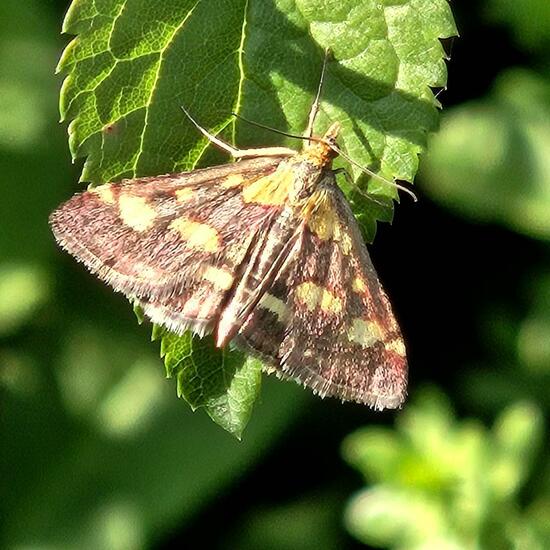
{"x":254,"y":231}
{"x":147,"y":237}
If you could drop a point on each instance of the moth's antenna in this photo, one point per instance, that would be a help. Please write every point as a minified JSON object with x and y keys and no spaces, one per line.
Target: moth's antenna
{"x":211,"y":137}
{"x":335,"y":149}
{"x":312,"y":114}
{"x":371,"y":173}
{"x":260,"y":125}
{"x":315,"y":107}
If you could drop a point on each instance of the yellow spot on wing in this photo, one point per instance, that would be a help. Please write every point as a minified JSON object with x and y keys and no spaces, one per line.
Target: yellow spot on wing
{"x":184,"y":194}
{"x":220,"y":278}
{"x":136,"y":212}
{"x":308,"y":294}
{"x":192,"y":306}
{"x":324,"y":222}
{"x":365,"y":333}
{"x":397,"y":346}
{"x":275,"y":305}
{"x":359,"y":285}
{"x":104,"y":193}
{"x":233,"y":180}
{"x":314,"y":296}
{"x":145,"y":271}
{"x":272,"y":190}
{"x":345,"y":241}
{"x":330,"y":303}
{"x":197,"y":235}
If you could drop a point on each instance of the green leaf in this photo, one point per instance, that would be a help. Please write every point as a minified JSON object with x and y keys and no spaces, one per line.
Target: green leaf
{"x":133,"y":64}
{"x":226,"y":383}
{"x":490,"y":160}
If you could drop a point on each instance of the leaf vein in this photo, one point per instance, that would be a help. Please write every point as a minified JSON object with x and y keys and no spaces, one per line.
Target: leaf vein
{"x":154,"y":85}
{"x":240,"y":54}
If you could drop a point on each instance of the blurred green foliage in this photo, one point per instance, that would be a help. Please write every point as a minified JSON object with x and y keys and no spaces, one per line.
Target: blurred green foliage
{"x":528,"y":21}
{"x":435,"y":482}
{"x":519,"y":352}
{"x":23,"y":289}
{"x":490,"y":160}
{"x":96,"y":451}
{"x":98,"y":454}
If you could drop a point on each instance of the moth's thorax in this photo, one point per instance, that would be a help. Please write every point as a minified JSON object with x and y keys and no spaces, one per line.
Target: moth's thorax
{"x":306,"y":177}
{"x":311,"y":166}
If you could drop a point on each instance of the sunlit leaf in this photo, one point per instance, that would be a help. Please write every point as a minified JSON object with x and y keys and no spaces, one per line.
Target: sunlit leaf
{"x":226,"y":383}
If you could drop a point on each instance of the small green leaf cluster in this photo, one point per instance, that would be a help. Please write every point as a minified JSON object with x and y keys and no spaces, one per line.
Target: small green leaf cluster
{"x":437,"y":482}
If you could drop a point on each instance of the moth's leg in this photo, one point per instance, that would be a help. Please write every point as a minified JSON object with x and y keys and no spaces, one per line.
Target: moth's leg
{"x":240,"y":153}
{"x":366,"y":194}
{"x":315,"y":107}
{"x":347,"y":175}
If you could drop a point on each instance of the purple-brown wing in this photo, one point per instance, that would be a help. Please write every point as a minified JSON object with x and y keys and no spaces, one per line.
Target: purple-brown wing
{"x":144,"y":236}
{"x":175,"y":242}
{"x":325,"y":321}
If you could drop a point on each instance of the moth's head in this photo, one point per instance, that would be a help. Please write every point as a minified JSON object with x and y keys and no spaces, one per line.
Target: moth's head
{"x":332,"y":133}
{"x":324,"y":149}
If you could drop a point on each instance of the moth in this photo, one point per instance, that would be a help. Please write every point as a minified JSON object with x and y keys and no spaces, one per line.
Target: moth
{"x":264,"y":253}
